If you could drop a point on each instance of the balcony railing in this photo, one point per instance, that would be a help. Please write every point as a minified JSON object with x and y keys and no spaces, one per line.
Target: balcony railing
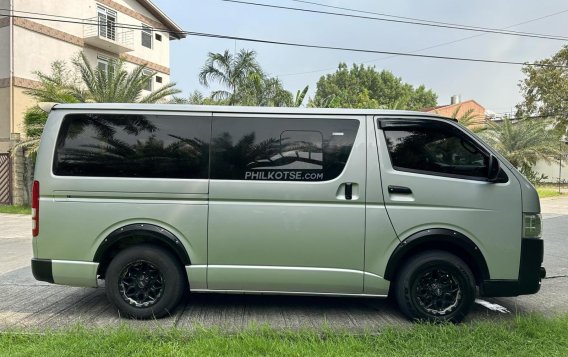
{"x":107,"y":36}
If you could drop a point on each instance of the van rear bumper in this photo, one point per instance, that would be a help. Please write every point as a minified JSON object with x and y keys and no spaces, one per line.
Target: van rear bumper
{"x":530,"y":273}
{"x":65,"y":272}
{"x":41,"y":269}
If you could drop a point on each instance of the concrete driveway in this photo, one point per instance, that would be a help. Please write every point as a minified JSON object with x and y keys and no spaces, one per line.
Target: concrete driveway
{"x":26,"y":303}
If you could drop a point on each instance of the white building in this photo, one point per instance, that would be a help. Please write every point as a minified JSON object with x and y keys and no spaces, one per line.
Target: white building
{"x":31,"y":44}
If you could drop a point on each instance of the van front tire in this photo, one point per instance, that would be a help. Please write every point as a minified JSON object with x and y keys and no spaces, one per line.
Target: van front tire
{"x":145,"y":281}
{"x":435,"y":286}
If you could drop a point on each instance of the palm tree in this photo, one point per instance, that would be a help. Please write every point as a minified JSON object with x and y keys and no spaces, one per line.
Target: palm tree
{"x":117,"y":85}
{"x":84,"y":83}
{"x":523,"y":142}
{"x":93,"y":84}
{"x":467,"y":119}
{"x":244,"y":83}
{"x":300,"y":96}
{"x":230,"y":71}
{"x":57,"y":86}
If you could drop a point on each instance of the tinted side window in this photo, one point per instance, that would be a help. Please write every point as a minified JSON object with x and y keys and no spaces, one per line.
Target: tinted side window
{"x":435,"y":150}
{"x":149,"y":146}
{"x":281,"y":149}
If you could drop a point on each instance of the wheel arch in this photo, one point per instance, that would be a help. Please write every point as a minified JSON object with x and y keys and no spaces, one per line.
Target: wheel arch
{"x":440,"y":239}
{"x":134,"y":234}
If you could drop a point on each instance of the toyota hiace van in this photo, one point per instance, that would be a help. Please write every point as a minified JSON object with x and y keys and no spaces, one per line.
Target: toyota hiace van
{"x":158,"y":200}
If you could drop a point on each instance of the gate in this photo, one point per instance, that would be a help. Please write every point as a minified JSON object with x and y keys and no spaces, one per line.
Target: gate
{"x":5,"y":179}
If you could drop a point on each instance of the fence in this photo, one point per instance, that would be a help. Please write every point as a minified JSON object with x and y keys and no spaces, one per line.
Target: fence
{"x":5,"y":179}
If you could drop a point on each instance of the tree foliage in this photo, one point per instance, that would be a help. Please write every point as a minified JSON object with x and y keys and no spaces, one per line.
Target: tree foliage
{"x":545,"y":88}
{"x":365,"y":87}
{"x":467,"y":119}
{"x":197,"y":98}
{"x":243,"y":82}
{"x":523,"y":142}
{"x":80,"y":82}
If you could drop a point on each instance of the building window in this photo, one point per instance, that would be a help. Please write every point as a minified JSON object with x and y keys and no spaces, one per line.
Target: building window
{"x":107,"y":22}
{"x":158,"y":37}
{"x":158,"y":79}
{"x":148,"y":86}
{"x":102,"y":63}
{"x":146,"y":36}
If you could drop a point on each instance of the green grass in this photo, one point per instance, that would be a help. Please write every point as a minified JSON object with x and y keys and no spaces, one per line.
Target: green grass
{"x":544,"y":192}
{"x":15,"y":209}
{"x":522,"y":336}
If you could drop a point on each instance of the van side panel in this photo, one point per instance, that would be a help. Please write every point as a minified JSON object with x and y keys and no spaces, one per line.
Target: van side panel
{"x":78,"y":212}
{"x":78,"y":225}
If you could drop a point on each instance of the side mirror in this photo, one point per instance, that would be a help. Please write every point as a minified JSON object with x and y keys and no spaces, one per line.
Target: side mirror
{"x":493,"y":169}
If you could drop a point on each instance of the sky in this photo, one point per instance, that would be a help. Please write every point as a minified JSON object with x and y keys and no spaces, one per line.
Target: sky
{"x":495,"y":86}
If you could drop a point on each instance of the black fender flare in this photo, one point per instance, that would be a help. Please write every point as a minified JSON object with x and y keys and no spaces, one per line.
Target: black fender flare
{"x":438,"y":238}
{"x":143,"y":231}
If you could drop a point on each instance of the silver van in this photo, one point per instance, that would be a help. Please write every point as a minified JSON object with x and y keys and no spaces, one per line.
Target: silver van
{"x":161,"y":199}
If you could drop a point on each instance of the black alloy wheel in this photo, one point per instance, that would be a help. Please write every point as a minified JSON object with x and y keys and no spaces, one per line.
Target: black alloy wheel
{"x":145,"y":281}
{"x":435,"y":286}
{"x":141,"y":284}
{"x":437,"y":292}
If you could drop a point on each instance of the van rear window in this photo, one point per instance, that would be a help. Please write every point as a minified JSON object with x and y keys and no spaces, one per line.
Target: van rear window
{"x":127,"y":145}
{"x":281,"y":149}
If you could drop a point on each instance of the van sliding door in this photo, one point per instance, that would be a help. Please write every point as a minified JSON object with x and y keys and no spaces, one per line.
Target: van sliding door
{"x":287,"y":204}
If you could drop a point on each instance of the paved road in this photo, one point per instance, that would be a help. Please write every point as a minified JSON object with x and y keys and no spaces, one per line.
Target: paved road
{"x":26,"y":303}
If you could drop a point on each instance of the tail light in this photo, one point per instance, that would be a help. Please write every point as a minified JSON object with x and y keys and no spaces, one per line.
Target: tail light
{"x":35,"y":209}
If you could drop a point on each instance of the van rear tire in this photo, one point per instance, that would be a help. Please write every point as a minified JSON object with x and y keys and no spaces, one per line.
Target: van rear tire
{"x":435,"y":286}
{"x":145,"y":281}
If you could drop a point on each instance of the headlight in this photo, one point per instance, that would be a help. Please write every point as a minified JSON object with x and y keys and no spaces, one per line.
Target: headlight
{"x":532,"y":225}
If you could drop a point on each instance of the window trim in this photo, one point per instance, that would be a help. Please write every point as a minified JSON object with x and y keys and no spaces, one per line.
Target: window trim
{"x":146,"y":29}
{"x":392,"y":124}
{"x":106,"y":12}
{"x":103,"y":60}
{"x":148,"y":72}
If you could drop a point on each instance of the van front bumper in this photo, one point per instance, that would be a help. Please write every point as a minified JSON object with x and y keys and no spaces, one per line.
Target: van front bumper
{"x":65,"y":272}
{"x":530,"y":273}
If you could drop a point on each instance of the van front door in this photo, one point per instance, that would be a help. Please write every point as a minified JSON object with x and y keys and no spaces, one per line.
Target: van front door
{"x":286,"y":210}
{"x":434,"y":175}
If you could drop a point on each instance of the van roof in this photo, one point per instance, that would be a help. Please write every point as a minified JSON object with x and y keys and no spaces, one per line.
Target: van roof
{"x":237,"y":109}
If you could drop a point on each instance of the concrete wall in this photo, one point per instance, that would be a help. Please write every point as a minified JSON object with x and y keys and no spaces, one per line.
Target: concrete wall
{"x":82,"y":9}
{"x":71,"y":8}
{"x":22,"y":178}
{"x":22,"y":102}
{"x":45,"y":51}
{"x":4,"y":119}
{"x":553,"y":170}
{"x":4,"y":52}
{"x":160,"y":52}
{"x":4,"y":80}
